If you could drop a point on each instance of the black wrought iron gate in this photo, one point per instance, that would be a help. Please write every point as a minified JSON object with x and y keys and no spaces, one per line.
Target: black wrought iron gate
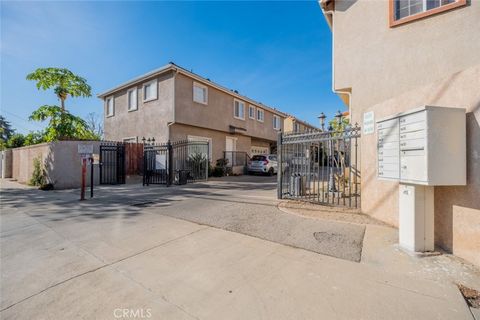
{"x":320,"y":166}
{"x":112,"y":163}
{"x":178,"y":162}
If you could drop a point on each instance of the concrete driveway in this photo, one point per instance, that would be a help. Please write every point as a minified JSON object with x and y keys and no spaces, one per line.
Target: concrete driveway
{"x":167,"y":253}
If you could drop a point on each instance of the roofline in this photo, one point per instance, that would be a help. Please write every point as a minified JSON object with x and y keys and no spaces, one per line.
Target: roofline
{"x":305,"y":123}
{"x":173,"y":67}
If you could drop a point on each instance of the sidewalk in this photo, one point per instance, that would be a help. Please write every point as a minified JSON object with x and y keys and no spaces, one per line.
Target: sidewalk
{"x":66,"y":259}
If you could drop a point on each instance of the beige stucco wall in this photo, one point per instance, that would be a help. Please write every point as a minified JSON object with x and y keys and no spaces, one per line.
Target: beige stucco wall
{"x":218,"y":113}
{"x":457,"y":209}
{"x":379,"y":62}
{"x":22,"y":160}
{"x":60,"y":160}
{"x":6,"y":163}
{"x":149,"y":120}
{"x":434,"y":61}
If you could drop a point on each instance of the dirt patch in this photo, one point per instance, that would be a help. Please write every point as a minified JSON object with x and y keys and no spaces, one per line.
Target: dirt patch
{"x":472,"y":296}
{"x":312,"y":210}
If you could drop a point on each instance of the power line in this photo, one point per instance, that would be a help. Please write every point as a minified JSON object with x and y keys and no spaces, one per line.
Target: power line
{"x":23,"y":119}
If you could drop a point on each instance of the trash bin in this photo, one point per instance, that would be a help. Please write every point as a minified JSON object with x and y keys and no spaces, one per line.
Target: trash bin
{"x":297,"y":185}
{"x":182,"y":176}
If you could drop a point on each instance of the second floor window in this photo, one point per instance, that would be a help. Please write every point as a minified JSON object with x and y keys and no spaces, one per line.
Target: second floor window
{"x":110,"y":106}
{"x":296,"y":127}
{"x":407,"y":8}
{"x":132,"y":99}
{"x":200,"y":93}
{"x":251,"y":112}
{"x":260,"y":115}
{"x":239,"y":109}
{"x":150,"y":90}
{"x":276,"y":122}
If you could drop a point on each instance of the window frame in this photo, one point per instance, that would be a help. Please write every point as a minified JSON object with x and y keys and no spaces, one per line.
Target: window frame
{"x":234,"y":113}
{"x":155,"y":83}
{"x":279,"y":124}
{"x":136,"y":99}
{"x":396,"y":22}
{"x":263,"y":115}
{"x":203,"y":139}
{"x":252,"y":107}
{"x":111,"y":98}
{"x":199,"y":85}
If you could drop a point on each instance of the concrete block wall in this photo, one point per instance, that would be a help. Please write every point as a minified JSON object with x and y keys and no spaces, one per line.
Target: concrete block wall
{"x":61,"y":162}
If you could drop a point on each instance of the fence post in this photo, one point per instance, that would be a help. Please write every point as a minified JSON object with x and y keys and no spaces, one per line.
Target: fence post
{"x":170,"y":163}
{"x":279,"y":166}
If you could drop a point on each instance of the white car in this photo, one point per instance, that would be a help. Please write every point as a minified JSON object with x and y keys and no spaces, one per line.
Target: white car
{"x":263,"y":163}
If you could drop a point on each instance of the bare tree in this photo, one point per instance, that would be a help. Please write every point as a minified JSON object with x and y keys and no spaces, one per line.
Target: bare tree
{"x":95,"y":124}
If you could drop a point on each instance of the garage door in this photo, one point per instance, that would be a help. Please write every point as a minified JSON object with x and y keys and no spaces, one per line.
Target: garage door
{"x":259,"y":150}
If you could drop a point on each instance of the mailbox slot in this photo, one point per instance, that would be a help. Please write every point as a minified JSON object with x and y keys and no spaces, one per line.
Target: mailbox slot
{"x":412,"y":118}
{"x":412,"y":135}
{"x":412,"y":127}
{"x":412,"y":144}
{"x":413,"y":165}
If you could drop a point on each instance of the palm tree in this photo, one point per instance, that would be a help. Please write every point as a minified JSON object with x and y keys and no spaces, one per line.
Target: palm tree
{"x":63,"y":81}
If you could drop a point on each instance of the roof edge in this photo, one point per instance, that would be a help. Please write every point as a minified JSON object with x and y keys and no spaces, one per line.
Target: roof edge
{"x":172,"y":66}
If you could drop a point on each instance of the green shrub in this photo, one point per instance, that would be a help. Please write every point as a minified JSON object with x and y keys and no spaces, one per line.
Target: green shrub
{"x":38,"y":175}
{"x":218,"y":171}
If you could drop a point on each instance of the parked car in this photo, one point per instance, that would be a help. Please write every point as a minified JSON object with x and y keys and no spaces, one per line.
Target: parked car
{"x":263,"y":164}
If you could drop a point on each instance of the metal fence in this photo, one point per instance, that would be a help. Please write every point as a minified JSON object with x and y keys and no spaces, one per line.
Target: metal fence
{"x":235,"y":158}
{"x":175,"y":162}
{"x":112,"y":163}
{"x":320,"y":166}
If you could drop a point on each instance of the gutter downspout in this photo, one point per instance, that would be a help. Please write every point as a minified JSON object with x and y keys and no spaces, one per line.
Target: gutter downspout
{"x":349,"y":94}
{"x":169,"y":124}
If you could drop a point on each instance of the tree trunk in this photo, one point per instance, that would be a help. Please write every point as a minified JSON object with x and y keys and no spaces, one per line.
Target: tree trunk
{"x":62,"y":101}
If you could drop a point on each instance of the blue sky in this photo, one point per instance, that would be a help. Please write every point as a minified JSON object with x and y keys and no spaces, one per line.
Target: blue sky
{"x":278,"y":53}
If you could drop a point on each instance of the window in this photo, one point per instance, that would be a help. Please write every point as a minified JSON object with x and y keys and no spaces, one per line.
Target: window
{"x":110,"y":106}
{"x":200,"y":93}
{"x":260,"y":115}
{"x":296,"y":127}
{"x":150,"y":91}
{"x":132,"y":99}
{"x":402,"y":11}
{"x":239,"y":109}
{"x":276,"y":122}
{"x":251,"y":112}
{"x":194,"y":149}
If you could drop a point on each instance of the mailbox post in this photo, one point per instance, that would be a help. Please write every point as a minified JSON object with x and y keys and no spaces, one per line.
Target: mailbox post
{"x":421,"y":148}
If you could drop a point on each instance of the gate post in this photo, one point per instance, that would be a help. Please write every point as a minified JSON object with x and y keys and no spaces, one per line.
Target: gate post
{"x":170,"y":163}
{"x":279,"y":165}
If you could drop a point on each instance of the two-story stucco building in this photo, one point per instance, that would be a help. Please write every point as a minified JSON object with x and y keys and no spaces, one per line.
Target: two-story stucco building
{"x":390,"y":56}
{"x":172,"y":103}
{"x":293,"y":124}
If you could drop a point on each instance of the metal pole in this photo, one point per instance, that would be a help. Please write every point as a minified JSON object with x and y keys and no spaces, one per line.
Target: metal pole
{"x":331,"y":180}
{"x":91,"y":177}
{"x":169,"y":164}
{"x":279,"y":166}
{"x":84,"y":171}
